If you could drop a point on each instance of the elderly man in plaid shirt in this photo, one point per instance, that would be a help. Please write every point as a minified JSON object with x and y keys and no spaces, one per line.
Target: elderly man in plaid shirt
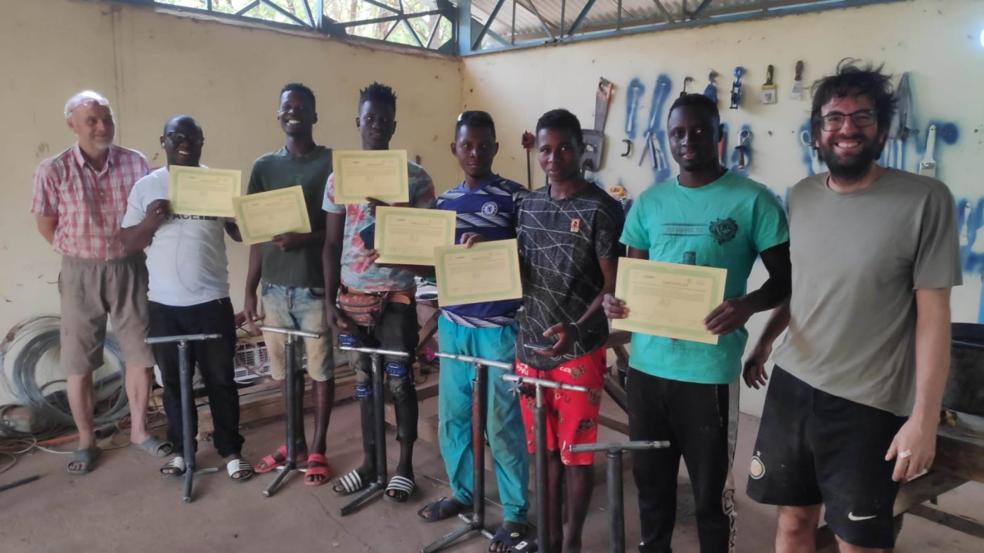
{"x":79,"y":200}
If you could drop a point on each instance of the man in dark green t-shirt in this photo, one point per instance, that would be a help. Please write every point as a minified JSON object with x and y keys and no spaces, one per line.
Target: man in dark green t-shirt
{"x":293,"y":288}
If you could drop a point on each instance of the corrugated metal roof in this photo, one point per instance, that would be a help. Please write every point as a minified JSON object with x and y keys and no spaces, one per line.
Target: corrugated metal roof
{"x":549,"y":19}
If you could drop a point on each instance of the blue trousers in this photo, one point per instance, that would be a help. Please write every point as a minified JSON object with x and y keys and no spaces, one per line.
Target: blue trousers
{"x":504,"y":424}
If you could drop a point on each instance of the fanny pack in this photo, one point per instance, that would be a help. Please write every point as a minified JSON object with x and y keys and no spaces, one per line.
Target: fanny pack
{"x":365,"y":308}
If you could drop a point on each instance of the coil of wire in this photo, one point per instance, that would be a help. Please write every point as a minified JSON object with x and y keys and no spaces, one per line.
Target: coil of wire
{"x":29,"y":342}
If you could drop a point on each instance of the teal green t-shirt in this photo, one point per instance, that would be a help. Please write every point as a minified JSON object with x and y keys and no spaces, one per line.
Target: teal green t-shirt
{"x":725,"y":224}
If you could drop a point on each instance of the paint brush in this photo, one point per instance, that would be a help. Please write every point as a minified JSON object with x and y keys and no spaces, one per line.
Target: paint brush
{"x":769,"y":93}
{"x":797,"y":91}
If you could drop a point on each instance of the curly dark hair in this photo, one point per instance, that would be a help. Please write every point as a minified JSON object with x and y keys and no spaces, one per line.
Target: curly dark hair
{"x":302,"y":90}
{"x":561,"y":119}
{"x":475,"y":120}
{"x":853,"y":80}
{"x":379,"y":93}
{"x":698,"y":101}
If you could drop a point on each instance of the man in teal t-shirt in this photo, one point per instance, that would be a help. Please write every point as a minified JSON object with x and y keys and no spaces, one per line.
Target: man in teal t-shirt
{"x":678,"y":389}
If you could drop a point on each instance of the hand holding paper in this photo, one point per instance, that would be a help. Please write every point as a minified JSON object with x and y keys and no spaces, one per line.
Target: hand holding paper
{"x":203,"y":192}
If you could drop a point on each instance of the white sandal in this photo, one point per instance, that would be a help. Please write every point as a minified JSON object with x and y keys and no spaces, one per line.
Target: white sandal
{"x":175,"y":467}
{"x":239,"y":470}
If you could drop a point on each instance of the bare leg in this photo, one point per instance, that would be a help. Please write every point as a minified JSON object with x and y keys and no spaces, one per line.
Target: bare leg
{"x":80,"y":400}
{"x":796,"y":531}
{"x":138,"y":395}
{"x":324,"y":399}
{"x":580,"y":483}
{"x":845,"y":547}
{"x":555,"y":502}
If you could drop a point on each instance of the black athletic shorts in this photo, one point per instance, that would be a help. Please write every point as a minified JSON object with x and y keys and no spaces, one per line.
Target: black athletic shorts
{"x":814,"y":448}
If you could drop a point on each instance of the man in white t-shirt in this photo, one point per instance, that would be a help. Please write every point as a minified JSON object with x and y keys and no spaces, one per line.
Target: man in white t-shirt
{"x":189,"y":294}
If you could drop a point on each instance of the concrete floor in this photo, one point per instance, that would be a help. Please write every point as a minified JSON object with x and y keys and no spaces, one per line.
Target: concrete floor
{"x":126,"y":506}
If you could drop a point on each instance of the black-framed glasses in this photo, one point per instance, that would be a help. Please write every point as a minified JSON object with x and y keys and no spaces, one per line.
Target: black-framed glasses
{"x":862,"y":118}
{"x":181,"y":138}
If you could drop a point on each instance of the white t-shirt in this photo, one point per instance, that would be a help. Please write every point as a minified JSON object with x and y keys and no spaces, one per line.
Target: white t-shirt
{"x":186,"y":259}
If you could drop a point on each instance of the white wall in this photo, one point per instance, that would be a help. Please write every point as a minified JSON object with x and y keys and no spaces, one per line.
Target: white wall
{"x":937,"y":41}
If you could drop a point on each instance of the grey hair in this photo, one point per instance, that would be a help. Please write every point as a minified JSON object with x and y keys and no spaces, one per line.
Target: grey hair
{"x":85,"y":97}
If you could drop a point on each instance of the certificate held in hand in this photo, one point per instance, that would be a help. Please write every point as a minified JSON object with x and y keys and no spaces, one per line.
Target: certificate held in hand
{"x":203,"y":192}
{"x":408,"y":236}
{"x":487,"y":271}
{"x":264,"y":215}
{"x":378,"y":174}
{"x":668,"y":299}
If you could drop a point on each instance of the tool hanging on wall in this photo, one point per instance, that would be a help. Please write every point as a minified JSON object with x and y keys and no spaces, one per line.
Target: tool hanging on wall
{"x":736,"y":88}
{"x":927,"y":167}
{"x":796,"y":93}
{"x":711,"y":90}
{"x":900,"y":129}
{"x":769,"y":93}
{"x":742,"y":149}
{"x":633,"y":95}
{"x":655,"y":133}
{"x":686,"y":84}
{"x":816,"y":166}
{"x":594,"y":140}
{"x":628,"y":147}
{"x":603,"y":99}
{"x":528,"y":141}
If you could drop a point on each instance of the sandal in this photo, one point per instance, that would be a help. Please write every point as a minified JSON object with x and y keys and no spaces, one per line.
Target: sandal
{"x":318,"y":473}
{"x":441,"y":509}
{"x":239,"y":470}
{"x":523,"y":547}
{"x":154,"y":447}
{"x":83,"y":461}
{"x":175,"y":466}
{"x":277,"y":459}
{"x":349,"y":483}
{"x":507,"y":537}
{"x":400,"y":488}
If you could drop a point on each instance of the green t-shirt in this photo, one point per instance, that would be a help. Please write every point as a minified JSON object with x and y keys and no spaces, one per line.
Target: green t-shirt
{"x":301,"y":267}
{"x":725,"y":224}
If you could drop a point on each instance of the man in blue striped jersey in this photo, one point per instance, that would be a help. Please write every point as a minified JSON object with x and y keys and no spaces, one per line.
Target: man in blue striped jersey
{"x":486,"y":206}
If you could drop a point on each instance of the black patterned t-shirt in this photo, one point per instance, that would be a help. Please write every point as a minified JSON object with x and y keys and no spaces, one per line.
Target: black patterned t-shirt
{"x":560,"y":243}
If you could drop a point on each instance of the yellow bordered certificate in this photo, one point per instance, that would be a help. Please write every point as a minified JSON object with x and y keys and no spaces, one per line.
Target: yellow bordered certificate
{"x":487,"y":271}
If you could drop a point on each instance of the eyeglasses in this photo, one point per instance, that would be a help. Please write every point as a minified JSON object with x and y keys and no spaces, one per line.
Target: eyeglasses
{"x":182,"y":138}
{"x":862,"y":118}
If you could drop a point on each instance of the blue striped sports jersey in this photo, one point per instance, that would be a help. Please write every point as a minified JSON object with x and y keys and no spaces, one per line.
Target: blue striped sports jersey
{"x":490,"y":211}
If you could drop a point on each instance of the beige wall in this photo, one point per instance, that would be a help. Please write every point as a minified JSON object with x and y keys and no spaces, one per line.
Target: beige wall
{"x":937,"y":41}
{"x":152,"y":66}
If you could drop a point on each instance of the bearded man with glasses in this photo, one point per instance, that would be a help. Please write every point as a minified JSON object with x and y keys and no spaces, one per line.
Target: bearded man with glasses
{"x":854,"y":408}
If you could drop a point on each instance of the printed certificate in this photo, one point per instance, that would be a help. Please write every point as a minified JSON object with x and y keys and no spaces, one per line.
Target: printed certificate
{"x":487,"y":271}
{"x":408,"y":236}
{"x":379,"y":174}
{"x":266,"y":214}
{"x":201,"y":191}
{"x":668,"y":299}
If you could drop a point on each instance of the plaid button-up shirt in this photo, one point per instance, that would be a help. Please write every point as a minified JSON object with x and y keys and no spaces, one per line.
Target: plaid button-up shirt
{"x":89,"y":205}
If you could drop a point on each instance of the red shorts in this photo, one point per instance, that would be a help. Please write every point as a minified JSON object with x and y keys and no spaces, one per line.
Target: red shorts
{"x":572,"y":417}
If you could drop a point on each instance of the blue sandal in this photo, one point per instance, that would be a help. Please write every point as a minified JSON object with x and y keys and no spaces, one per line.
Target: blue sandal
{"x":510,"y":537}
{"x":442,"y":509}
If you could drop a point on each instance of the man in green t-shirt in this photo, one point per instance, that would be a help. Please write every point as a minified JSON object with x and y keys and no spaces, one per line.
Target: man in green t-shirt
{"x":678,"y":390}
{"x":293,"y":289}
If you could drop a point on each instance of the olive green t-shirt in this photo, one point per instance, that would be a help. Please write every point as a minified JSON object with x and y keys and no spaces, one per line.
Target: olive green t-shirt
{"x":857,"y":260}
{"x":302,"y":267}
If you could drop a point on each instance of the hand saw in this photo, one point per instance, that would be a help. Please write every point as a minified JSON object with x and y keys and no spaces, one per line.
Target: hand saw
{"x":603,"y":99}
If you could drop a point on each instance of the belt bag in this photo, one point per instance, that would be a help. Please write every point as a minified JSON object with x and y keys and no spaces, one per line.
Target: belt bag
{"x":365,"y":308}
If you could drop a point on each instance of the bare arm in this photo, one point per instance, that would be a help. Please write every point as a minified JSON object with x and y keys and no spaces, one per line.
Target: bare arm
{"x":566,"y":332}
{"x":232,"y":229}
{"x":735,"y":312}
{"x":331,"y":260}
{"x":754,"y":370}
{"x":914,"y":447}
{"x":139,"y":236}
{"x":47,"y":226}
{"x":253,"y":272}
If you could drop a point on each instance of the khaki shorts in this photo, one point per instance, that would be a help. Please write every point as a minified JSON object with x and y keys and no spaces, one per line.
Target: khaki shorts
{"x":92,"y":291}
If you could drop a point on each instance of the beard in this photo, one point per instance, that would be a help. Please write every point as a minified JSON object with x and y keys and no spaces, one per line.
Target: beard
{"x":851,"y":167}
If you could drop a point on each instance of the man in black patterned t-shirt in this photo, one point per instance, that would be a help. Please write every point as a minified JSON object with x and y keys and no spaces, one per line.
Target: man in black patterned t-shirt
{"x":568,"y":247}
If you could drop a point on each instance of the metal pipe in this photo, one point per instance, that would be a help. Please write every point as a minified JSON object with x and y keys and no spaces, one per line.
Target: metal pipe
{"x":187,"y":404}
